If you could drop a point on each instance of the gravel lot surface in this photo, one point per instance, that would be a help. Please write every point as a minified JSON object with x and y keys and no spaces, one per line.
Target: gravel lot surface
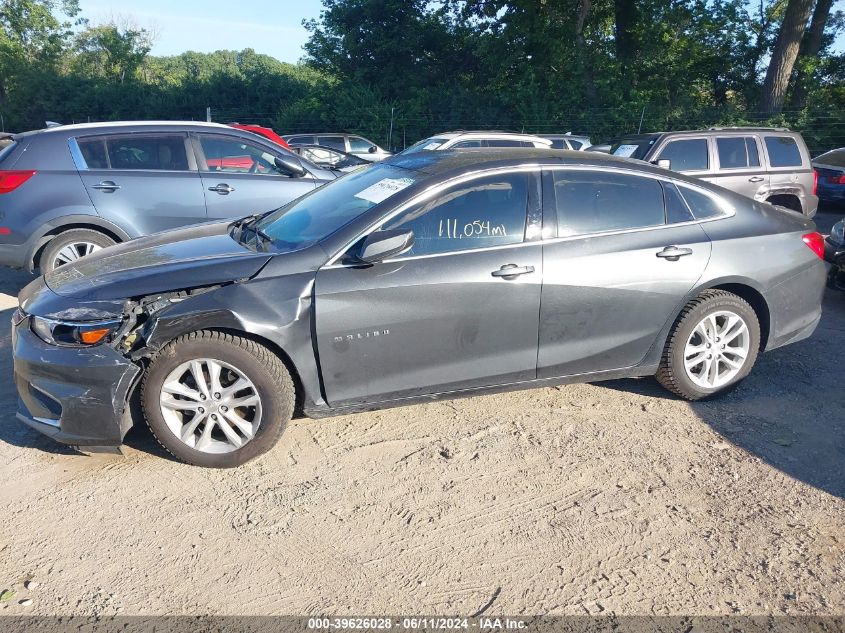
{"x":600,"y":498}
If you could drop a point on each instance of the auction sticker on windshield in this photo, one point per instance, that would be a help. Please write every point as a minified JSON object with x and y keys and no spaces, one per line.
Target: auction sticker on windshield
{"x":625,"y":150}
{"x":383,"y":189}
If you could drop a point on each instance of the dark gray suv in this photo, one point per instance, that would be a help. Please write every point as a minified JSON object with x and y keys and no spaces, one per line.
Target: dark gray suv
{"x":68,"y":191}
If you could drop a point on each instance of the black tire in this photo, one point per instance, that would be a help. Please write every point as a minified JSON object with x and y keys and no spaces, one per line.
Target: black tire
{"x":673,"y":375}
{"x":260,"y":365}
{"x":46,"y":262}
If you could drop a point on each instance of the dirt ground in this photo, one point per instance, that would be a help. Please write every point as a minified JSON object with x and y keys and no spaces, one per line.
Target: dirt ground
{"x":600,"y":498}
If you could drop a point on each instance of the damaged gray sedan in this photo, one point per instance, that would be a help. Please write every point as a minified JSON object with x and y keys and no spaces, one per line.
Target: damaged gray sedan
{"x":427,"y":276}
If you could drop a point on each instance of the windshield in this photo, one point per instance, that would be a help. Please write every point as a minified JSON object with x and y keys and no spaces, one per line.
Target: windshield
{"x":633,"y":147}
{"x":427,"y":144}
{"x":315,"y":216}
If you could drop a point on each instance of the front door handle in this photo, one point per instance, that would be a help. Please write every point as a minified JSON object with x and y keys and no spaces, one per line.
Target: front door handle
{"x":223,"y":189}
{"x":512,"y":271}
{"x":107,"y":185}
{"x":756,"y":179}
{"x":673,"y":253}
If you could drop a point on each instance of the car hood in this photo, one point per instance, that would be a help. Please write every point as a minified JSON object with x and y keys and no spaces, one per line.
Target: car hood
{"x":191,"y":257}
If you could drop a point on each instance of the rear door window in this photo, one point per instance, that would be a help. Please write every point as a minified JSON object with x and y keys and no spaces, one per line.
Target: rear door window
{"x":142,"y":152}
{"x":301,"y":140}
{"x":686,"y":154}
{"x":575,"y":144}
{"x":559,"y":143}
{"x":783,"y":151}
{"x":597,"y":201}
{"x":737,"y":152}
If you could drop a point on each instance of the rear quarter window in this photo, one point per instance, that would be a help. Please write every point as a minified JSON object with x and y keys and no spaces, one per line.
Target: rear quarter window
{"x":783,"y":151}
{"x":702,"y":205}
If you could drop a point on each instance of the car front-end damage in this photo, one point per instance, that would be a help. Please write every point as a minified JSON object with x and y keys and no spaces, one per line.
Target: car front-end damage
{"x":80,"y":335}
{"x":79,"y":393}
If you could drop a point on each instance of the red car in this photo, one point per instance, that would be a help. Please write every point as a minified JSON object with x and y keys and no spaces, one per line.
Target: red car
{"x":266,"y":132}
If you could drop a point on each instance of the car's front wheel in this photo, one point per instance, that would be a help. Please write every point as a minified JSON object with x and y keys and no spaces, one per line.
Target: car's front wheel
{"x":217,"y":400}
{"x":712,"y":346}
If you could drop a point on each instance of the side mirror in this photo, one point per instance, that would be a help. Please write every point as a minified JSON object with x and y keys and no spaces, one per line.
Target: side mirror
{"x":290,"y":166}
{"x":373,"y":149}
{"x":663,"y":163}
{"x":380,"y":245}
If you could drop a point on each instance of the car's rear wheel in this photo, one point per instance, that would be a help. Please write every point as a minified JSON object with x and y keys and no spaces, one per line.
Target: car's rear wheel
{"x":68,"y":247}
{"x":712,"y":347}
{"x":217,"y":400}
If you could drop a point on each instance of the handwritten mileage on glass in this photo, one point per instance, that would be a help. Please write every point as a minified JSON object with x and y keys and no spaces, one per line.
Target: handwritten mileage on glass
{"x":450,"y":230}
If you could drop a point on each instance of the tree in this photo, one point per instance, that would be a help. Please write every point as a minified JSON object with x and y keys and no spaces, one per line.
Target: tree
{"x":113,"y":52}
{"x":31,"y":34}
{"x":811,"y":46}
{"x":784,"y":55}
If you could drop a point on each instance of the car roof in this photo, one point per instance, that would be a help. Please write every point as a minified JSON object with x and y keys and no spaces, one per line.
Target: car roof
{"x":467,"y":160}
{"x":708,"y":132}
{"x":488,"y":134}
{"x":117,"y":126}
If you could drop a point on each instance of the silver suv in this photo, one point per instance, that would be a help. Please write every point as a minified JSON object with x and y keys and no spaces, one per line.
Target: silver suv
{"x":770,"y":164}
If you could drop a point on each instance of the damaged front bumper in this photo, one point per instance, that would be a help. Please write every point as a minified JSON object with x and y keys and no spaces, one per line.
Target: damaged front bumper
{"x":77,"y":396}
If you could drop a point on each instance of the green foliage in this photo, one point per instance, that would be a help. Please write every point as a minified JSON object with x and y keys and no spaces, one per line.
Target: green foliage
{"x":532,"y":65}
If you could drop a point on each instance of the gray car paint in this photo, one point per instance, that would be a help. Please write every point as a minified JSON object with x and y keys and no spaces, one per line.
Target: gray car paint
{"x":596,"y":306}
{"x":61,"y":195}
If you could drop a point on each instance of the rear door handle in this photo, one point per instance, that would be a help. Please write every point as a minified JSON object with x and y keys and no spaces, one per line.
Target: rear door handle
{"x":673,"y":253}
{"x":107,"y":185}
{"x":756,"y":179}
{"x":512,"y":271}
{"x":223,"y":189}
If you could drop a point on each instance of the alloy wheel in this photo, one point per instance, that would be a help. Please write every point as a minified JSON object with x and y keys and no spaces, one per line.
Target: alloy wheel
{"x":210,"y":405}
{"x":717,"y":349}
{"x":74,"y":251}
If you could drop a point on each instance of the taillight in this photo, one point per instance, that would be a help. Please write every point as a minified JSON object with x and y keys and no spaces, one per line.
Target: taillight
{"x":816,"y":243}
{"x":836,"y":180}
{"x":12,"y":179}
{"x":815,"y":181}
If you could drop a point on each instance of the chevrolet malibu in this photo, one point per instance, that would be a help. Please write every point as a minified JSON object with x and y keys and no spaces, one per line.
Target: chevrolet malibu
{"x":427,"y":276}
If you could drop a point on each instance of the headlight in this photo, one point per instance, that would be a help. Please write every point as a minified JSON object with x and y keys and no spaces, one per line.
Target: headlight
{"x":73,"y":333}
{"x":837,"y":233}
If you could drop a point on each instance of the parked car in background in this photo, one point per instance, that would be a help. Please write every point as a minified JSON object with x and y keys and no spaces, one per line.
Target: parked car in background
{"x":424,"y":277}
{"x":830,"y":170}
{"x":475,"y":140}
{"x":266,"y":132}
{"x":834,"y":253}
{"x":770,"y":164}
{"x":330,"y":158}
{"x":68,"y":191}
{"x":349,"y":143}
{"x":568,"y":141}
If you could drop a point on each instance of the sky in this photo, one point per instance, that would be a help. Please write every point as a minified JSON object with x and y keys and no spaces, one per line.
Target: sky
{"x":270,"y":27}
